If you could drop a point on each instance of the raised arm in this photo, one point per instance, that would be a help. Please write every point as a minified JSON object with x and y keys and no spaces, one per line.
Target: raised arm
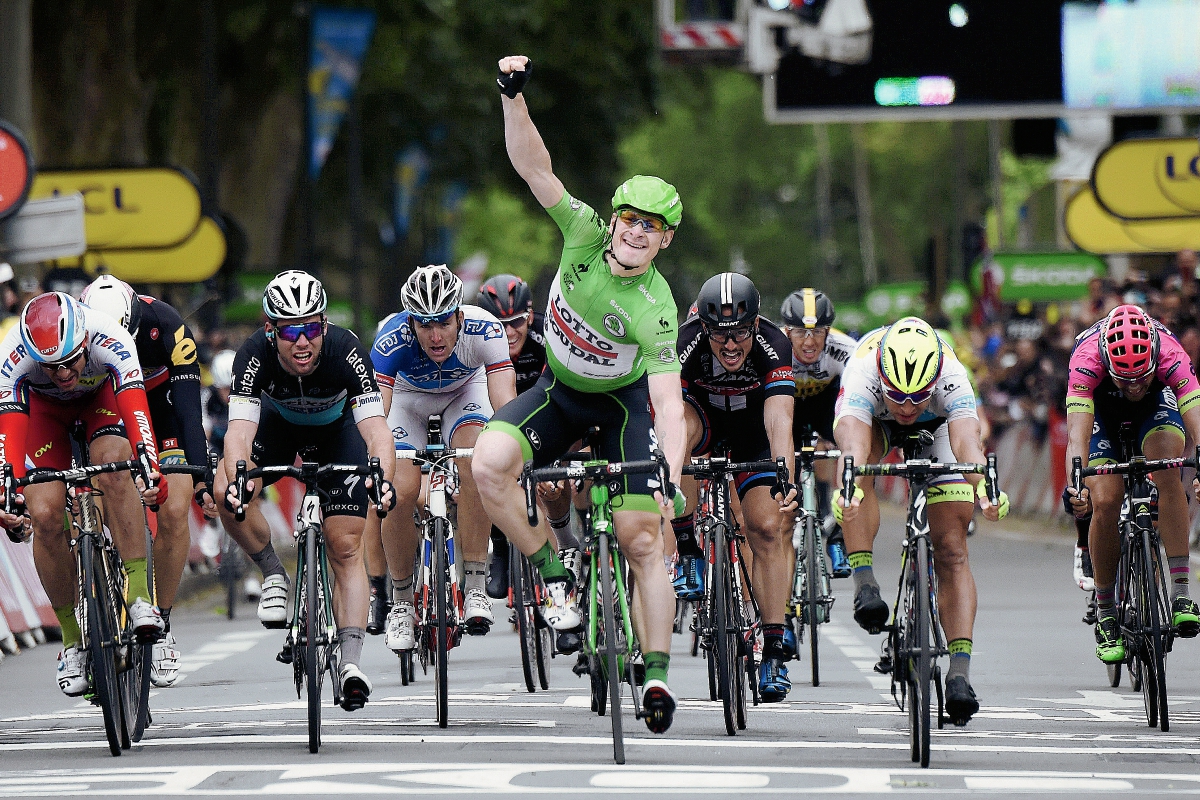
{"x":526,"y":150}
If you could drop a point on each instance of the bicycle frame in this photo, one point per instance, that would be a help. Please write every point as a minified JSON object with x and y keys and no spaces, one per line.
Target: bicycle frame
{"x":310,"y":531}
{"x":812,"y":598}
{"x":602,"y":523}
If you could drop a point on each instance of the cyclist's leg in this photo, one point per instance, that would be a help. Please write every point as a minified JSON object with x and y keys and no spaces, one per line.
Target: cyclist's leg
{"x":173,"y":538}
{"x":950,"y":508}
{"x":464,"y":417}
{"x":689,"y":569}
{"x":351,"y":595}
{"x":408,"y":420}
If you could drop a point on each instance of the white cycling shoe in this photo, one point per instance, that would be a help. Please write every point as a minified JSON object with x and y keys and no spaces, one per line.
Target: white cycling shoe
{"x":572,"y":559}
{"x":72,"y":677}
{"x":164,"y":663}
{"x":356,"y":687}
{"x":146,"y":620}
{"x":1083,"y":569}
{"x":560,"y":610}
{"x":272,"y":603}
{"x":401,"y":620}
{"x":477,"y":609}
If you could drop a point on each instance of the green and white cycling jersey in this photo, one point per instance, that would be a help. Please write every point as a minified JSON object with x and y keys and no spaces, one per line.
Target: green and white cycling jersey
{"x":603,"y":331}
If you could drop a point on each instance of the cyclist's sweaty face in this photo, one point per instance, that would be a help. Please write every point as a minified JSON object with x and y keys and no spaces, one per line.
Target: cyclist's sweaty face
{"x":807,"y":343}
{"x":65,"y":375}
{"x":730,"y":353}
{"x":632,"y":244}
{"x":906,"y":413}
{"x":1134,"y":390}
{"x":298,"y":357}
{"x":437,"y":339}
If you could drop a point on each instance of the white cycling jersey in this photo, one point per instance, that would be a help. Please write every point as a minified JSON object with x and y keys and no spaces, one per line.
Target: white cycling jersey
{"x":812,"y":379}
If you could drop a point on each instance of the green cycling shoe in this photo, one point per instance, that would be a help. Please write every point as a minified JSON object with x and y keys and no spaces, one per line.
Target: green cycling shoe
{"x":1109,"y":647}
{"x":1185,"y":617}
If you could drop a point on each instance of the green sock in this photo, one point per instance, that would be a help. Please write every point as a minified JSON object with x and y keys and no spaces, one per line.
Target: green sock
{"x":960,"y":658}
{"x":656,"y":665}
{"x":861,"y":562}
{"x":71,"y":635}
{"x":135,"y":571}
{"x":549,"y":565}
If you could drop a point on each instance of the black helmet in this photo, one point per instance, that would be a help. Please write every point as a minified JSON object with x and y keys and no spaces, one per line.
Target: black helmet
{"x":505,"y":296}
{"x":807,"y":308}
{"x":727,"y":300}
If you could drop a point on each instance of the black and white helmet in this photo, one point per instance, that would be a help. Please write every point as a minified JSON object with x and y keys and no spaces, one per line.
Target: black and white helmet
{"x":294,"y":294}
{"x":432,"y":293}
{"x":116,"y":298}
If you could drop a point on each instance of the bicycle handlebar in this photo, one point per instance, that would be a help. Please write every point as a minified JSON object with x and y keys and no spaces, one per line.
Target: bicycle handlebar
{"x":594,"y":470}
{"x":920,"y":468}
{"x":68,"y":476}
{"x":818,"y":455}
{"x":432,"y":457}
{"x":1138,"y":467}
{"x":310,"y":475}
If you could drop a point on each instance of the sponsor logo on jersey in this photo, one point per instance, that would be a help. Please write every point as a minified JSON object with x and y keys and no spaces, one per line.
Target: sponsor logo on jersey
{"x":1171,"y":371}
{"x":613,"y":324}
{"x":771,"y":352}
{"x":387,"y":344}
{"x":1079,"y":387}
{"x":251,"y":373}
{"x":399,"y":433}
{"x":534,"y":439}
{"x":112,"y":345}
{"x":662,"y":323}
{"x":1162,"y":415}
{"x":104,"y":412}
{"x":41,"y":451}
{"x":154,"y":333}
{"x":5,"y":394}
{"x":838,"y":354}
{"x":620,"y":310}
{"x":471,"y":407}
{"x":15,"y":357}
{"x":646,"y":294}
{"x":666,"y":355}
{"x":170,"y":444}
{"x":359,"y":365}
{"x":1088,"y":372}
{"x":185,"y":348}
{"x":145,"y":430}
{"x":482,"y":327}
{"x":133,"y":375}
{"x":687,"y":351}
{"x":575,"y":204}
{"x":585,"y":343}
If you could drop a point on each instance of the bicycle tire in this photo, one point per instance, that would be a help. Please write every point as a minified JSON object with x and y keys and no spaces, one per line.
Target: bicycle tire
{"x":924,"y":654}
{"x":406,"y":667}
{"x":813,"y":594}
{"x":100,"y":639}
{"x":1114,"y":674}
{"x":743,"y":662}
{"x":607,"y":600}
{"x":312,"y":633}
{"x":598,"y":686}
{"x":1134,"y":628}
{"x":1159,"y":628}
{"x":542,"y":637}
{"x":135,"y":682}
{"x":722,"y":622}
{"x":441,"y":579}
{"x":517,"y":586}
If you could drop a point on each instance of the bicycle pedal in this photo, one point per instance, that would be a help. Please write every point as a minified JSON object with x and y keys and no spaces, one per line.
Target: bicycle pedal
{"x":477,"y":627}
{"x":1089,"y":617}
{"x":285,"y":655}
{"x":581,"y":667}
{"x":274,"y":626}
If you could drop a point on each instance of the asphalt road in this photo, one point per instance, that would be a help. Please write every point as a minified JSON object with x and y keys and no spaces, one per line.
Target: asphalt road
{"x":232,"y":725}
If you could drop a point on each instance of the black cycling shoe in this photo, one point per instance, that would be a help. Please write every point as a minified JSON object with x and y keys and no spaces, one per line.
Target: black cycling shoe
{"x":961,"y":704}
{"x":870,"y":611}
{"x":568,"y":642}
{"x":658,"y":706}
{"x":377,"y":612}
{"x":497,"y":571}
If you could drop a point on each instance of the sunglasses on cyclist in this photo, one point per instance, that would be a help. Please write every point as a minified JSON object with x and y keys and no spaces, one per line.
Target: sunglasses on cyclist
{"x":309,"y":330}
{"x":67,"y":364}
{"x":899,"y":398}
{"x":516,"y":322}
{"x":805,"y":333}
{"x":633,"y":219}
{"x":738,"y":335}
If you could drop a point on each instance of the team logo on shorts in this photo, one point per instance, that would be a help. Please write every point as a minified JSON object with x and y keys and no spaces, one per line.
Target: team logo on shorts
{"x":613,"y":324}
{"x":534,"y":439}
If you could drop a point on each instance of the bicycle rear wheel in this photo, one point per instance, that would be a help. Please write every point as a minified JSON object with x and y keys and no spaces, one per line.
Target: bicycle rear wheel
{"x":813,"y":594}
{"x":922,"y":656}
{"x":441,"y":584}
{"x":101,"y":639}
{"x":313,"y":653}
{"x":542,"y":639}
{"x":728,"y":676}
{"x":611,"y":665}
{"x":522,"y":606}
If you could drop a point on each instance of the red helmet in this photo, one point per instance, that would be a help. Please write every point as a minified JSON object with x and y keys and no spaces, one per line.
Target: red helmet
{"x":1129,"y":343}
{"x":52,"y":328}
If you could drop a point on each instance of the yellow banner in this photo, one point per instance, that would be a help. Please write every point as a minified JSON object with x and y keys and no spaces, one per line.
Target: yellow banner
{"x":1091,"y":228}
{"x":128,"y":208}
{"x":197,"y":259}
{"x":1149,"y":178}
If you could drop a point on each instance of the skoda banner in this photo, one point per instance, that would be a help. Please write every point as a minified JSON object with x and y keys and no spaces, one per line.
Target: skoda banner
{"x":338,"y":43}
{"x":1040,"y":277}
{"x":890,"y":302}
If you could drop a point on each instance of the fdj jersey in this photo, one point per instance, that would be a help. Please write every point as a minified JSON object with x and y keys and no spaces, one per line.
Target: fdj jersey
{"x":401,"y":363}
{"x":603,"y":331}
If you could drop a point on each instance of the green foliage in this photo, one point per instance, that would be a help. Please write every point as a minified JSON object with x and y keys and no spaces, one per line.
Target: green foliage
{"x":516,"y":239}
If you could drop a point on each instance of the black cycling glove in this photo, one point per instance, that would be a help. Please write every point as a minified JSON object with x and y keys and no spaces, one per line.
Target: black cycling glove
{"x":1070,"y":509}
{"x":512,"y":83}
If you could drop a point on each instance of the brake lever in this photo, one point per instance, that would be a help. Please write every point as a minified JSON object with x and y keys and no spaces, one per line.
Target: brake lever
{"x":530,"y":494}
{"x":377,"y":488}
{"x":239,"y":483}
{"x":847,"y":480}
{"x":993,"y":480}
{"x":143,"y":459}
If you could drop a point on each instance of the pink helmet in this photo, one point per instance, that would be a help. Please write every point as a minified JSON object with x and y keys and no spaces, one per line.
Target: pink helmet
{"x":1129,"y":343}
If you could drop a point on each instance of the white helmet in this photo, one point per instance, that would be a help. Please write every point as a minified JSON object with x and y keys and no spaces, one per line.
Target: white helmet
{"x":294,"y":294}
{"x":116,"y":298}
{"x":432,"y":292}
{"x":222,"y":369}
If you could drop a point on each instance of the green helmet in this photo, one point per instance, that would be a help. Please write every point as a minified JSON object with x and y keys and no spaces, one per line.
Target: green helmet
{"x":910,"y":355}
{"x":651,"y":195}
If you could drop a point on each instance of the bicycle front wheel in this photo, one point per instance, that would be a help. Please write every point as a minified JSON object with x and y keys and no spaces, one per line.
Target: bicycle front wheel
{"x":812,"y":547}
{"x":726,"y":646}
{"x":611,"y":638}
{"x":101,"y":639}
{"x":1159,"y":632}
{"x":135,"y":679}
{"x":313,"y":661}
{"x":441,"y":584}
{"x":922,"y":656}
{"x":522,"y":606}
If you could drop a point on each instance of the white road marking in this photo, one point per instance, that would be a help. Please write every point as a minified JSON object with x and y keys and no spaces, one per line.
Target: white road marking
{"x":223,"y":647}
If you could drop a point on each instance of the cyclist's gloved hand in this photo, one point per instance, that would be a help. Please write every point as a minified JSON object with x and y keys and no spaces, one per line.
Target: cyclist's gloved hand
{"x":17,"y":524}
{"x":837,"y":503}
{"x":387,"y":493}
{"x":512,"y":83}
{"x":1077,"y":505}
{"x":678,"y":500}
{"x":231,"y":496}
{"x":1002,"y":505}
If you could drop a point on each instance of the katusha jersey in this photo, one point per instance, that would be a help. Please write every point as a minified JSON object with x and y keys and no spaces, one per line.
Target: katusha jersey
{"x":1088,"y":377}
{"x":812,"y":379}
{"x":603,"y":331}
{"x":401,"y":364}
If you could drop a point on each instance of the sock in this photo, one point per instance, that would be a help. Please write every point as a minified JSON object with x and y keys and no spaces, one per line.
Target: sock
{"x":862,"y":562}
{"x":402,"y":590}
{"x":71,"y":635}
{"x":474,"y":575}
{"x":166,"y":618}
{"x":350,"y":643}
{"x":549,"y":566}
{"x":773,"y":641}
{"x":378,"y":584}
{"x":656,"y":665}
{"x":1082,"y":526}
{"x":268,"y":562}
{"x":1106,"y":597}
{"x":685,"y":536}
{"x":562,"y":531}
{"x":1180,"y":573}
{"x":960,"y":659}
{"x":135,"y":575}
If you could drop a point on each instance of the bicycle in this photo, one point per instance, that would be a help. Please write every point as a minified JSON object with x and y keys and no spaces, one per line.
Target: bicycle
{"x":311,"y":643}
{"x":117,"y":660}
{"x":915,"y":638}
{"x":609,"y":644}
{"x":812,"y":596}
{"x":727,"y":627}
{"x":437,"y":596}
{"x":526,"y":593}
{"x":1143,"y":601}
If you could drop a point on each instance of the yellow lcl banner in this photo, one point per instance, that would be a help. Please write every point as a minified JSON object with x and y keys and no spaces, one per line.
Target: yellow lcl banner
{"x":197,"y":259}
{"x":1090,"y":227}
{"x":128,"y":208}
{"x":1149,"y":178}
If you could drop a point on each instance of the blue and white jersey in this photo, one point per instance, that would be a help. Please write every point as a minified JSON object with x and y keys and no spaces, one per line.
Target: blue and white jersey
{"x":401,"y":364}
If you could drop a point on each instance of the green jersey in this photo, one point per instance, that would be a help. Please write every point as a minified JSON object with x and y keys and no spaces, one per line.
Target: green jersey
{"x":603,"y":331}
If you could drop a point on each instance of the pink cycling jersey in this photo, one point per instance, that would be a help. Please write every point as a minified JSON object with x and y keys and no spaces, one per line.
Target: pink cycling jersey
{"x":1175,"y":370}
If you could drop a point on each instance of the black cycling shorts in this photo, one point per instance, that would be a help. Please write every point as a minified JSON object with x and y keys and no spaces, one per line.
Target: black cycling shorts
{"x":550,"y":417}
{"x":743,"y":434}
{"x":815,"y":413}
{"x":166,"y":426}
{"x":278,"y":442}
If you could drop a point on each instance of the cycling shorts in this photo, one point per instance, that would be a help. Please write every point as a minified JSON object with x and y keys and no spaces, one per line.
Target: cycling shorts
{"x":1157,"y":412}
{"x":943,"y":488}
{"x":815,"y":413}
{"x":550,"y":417}
{"x":48,"y":443}
{"x":468,"y":404}
{"x":742,"y":433}
{"x":166,"y":427}
{"x":278,"y":442}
